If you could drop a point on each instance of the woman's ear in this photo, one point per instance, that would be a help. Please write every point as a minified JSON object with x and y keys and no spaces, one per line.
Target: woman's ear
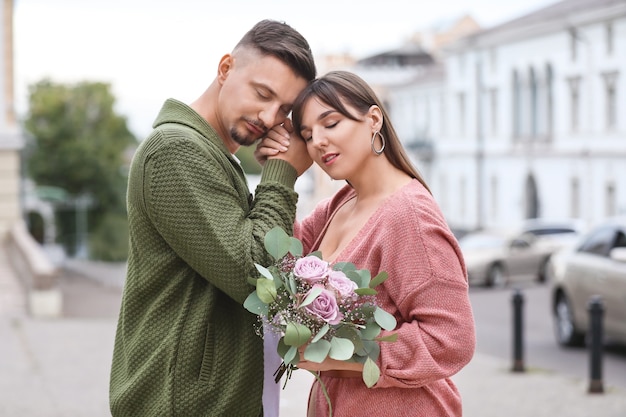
{"x":375,"y":116}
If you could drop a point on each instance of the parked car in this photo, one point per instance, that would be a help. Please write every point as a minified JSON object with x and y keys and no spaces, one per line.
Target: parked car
{"x":496,"y":258}
{"x":595,"y":267}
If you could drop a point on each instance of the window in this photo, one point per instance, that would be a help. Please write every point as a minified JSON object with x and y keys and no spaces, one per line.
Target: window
{"x":462,"y":201}
{"x":549,"y":111}
{"x":493,"y":100}
{"x":494,"y":197}
{"x":609,"y":38}
{"x":517,"y":106}
{"x":574,"y":86}
{"x":610,"y":106}
{"x":599,"y":243}
{"x":573,"y":44}
{"x":575,"y":198}
{"x":461,"y":112}
{"x":493,"y":60}
{"x":610,"y":200}
{"x":533,"y":104}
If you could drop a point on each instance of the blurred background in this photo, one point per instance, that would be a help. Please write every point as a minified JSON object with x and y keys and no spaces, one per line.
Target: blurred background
{"x":513,"y":112}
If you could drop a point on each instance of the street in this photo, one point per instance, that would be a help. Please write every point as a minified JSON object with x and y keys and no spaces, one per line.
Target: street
{"x":493,"y":311}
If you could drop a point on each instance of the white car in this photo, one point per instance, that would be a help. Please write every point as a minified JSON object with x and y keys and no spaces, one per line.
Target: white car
{"x":595,"y":267}
{"x":496,"y":258}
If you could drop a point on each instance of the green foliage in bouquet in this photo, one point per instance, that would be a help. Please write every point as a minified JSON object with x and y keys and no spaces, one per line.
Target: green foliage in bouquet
{"x":330,"y":309}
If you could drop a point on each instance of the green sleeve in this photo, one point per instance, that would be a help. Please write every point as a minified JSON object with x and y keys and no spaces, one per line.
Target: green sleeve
{"x":203,"y":210}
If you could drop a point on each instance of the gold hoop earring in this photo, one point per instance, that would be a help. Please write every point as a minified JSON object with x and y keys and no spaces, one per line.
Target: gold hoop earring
{"x":382,"y":138}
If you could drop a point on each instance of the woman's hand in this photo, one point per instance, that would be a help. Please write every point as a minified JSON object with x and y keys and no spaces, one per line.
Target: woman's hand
{"x":281,"y":142}
{"x":276,"y":141}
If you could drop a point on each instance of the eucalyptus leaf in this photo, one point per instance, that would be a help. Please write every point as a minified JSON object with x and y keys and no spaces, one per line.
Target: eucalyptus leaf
{"x":389,"y":338}
{"x":371,"y":331}
{"x":371,"y":373}
{"x":277,"y":242}
{"x":366,"y":277}
{"x":318,"y":351}
{"x":384,"y":319}
{"x":341,"y":349}
{"x":293,"y":287}
{"x":379,"y":279}
{"x":344,"y":266}
{"x":317,"y":254}
{"x":356,"y":277}
{"x":264,"y":271}
{"x":254,"y":304}
{"x":321,"y":333}
{"x":371,"y":349}
{"x":295,"y":247}
{"x":366,"y":291}
{"x":296,"y":334}
{"x":266,"y":290}
{"x":292,"y":355}
{"x":313,"y":294}
{"x":352,"y":334}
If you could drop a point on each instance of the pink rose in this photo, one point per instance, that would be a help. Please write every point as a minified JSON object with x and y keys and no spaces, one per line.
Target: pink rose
{"x":342,"y":284}
{"x":311,"y":269}
{"x":325,"y":306}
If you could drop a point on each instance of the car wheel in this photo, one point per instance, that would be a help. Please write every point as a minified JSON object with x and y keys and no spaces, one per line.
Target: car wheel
{"x":496,"y":276}
{"x":564,"y":327}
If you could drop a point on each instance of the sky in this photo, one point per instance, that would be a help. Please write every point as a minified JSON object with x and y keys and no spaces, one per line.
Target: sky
{"x":151,"y":50}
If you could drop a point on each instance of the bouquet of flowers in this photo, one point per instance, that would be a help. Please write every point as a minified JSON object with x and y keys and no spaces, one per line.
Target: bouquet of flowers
{"x":329,"y":309}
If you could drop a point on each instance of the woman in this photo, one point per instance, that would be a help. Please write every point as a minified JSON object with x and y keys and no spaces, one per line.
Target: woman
{"x":384,"y":219}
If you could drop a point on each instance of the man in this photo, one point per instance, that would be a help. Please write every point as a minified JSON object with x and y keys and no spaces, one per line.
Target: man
{"x":185,"y":346}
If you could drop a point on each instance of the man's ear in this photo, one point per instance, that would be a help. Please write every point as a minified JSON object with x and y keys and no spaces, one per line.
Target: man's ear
{"x":375,"y":116}
{"x":224,"y":67}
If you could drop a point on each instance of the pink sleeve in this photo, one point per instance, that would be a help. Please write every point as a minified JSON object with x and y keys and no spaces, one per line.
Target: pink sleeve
{"x":427,"y":288}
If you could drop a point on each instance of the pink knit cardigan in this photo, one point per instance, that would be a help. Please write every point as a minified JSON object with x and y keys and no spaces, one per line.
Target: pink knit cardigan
{"x":427,"y":292}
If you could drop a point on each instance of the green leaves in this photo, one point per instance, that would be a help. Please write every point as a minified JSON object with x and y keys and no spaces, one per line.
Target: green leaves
{"x":254,"y":304}
{"x":296,"y":334}
{"x":384,"y":319}
{"x":341,"y":349}
{"x":318,"y":351}
{"x":371,"y":373}
{"x":266,"y":290}
{"x":278,"y":243}
{"x":281,"y":296}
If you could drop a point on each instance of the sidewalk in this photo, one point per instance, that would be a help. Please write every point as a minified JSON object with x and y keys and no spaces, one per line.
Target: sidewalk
{"x":60,"y":368}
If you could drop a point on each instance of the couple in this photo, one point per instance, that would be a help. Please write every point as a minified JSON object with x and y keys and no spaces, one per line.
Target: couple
{"x":185,"y":345}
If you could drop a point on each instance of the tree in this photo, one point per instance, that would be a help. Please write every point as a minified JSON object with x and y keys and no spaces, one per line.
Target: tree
{"x":80,"y":143}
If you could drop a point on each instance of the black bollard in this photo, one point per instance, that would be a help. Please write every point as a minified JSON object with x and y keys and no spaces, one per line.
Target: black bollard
{"x":596,"y":313}
{"x":518,"y":332}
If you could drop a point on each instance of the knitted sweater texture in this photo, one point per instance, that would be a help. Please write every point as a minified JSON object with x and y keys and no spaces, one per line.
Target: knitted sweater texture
{"x":427,"y":292}
{"x":185,"y":346}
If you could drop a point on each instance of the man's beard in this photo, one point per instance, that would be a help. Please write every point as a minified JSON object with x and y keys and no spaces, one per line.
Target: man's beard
{"x":240,"y":139}
{"x":244,"y":140}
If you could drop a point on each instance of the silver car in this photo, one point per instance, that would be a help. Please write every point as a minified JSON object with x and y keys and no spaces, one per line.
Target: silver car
{"x":595,"y":267}
{"x":495,"y":257}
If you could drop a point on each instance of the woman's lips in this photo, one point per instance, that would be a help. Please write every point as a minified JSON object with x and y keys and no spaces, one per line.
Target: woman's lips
{"x":329,"y":158}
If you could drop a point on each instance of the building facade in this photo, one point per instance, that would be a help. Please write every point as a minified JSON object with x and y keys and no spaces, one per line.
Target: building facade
{"x":525,"y":119}
{"x":10,"y":135}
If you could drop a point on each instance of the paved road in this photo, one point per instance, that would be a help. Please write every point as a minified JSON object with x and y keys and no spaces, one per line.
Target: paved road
{"x":60,"y":368}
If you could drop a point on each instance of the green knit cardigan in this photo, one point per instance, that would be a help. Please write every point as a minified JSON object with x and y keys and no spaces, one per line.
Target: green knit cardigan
{"x":185,"y":346}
